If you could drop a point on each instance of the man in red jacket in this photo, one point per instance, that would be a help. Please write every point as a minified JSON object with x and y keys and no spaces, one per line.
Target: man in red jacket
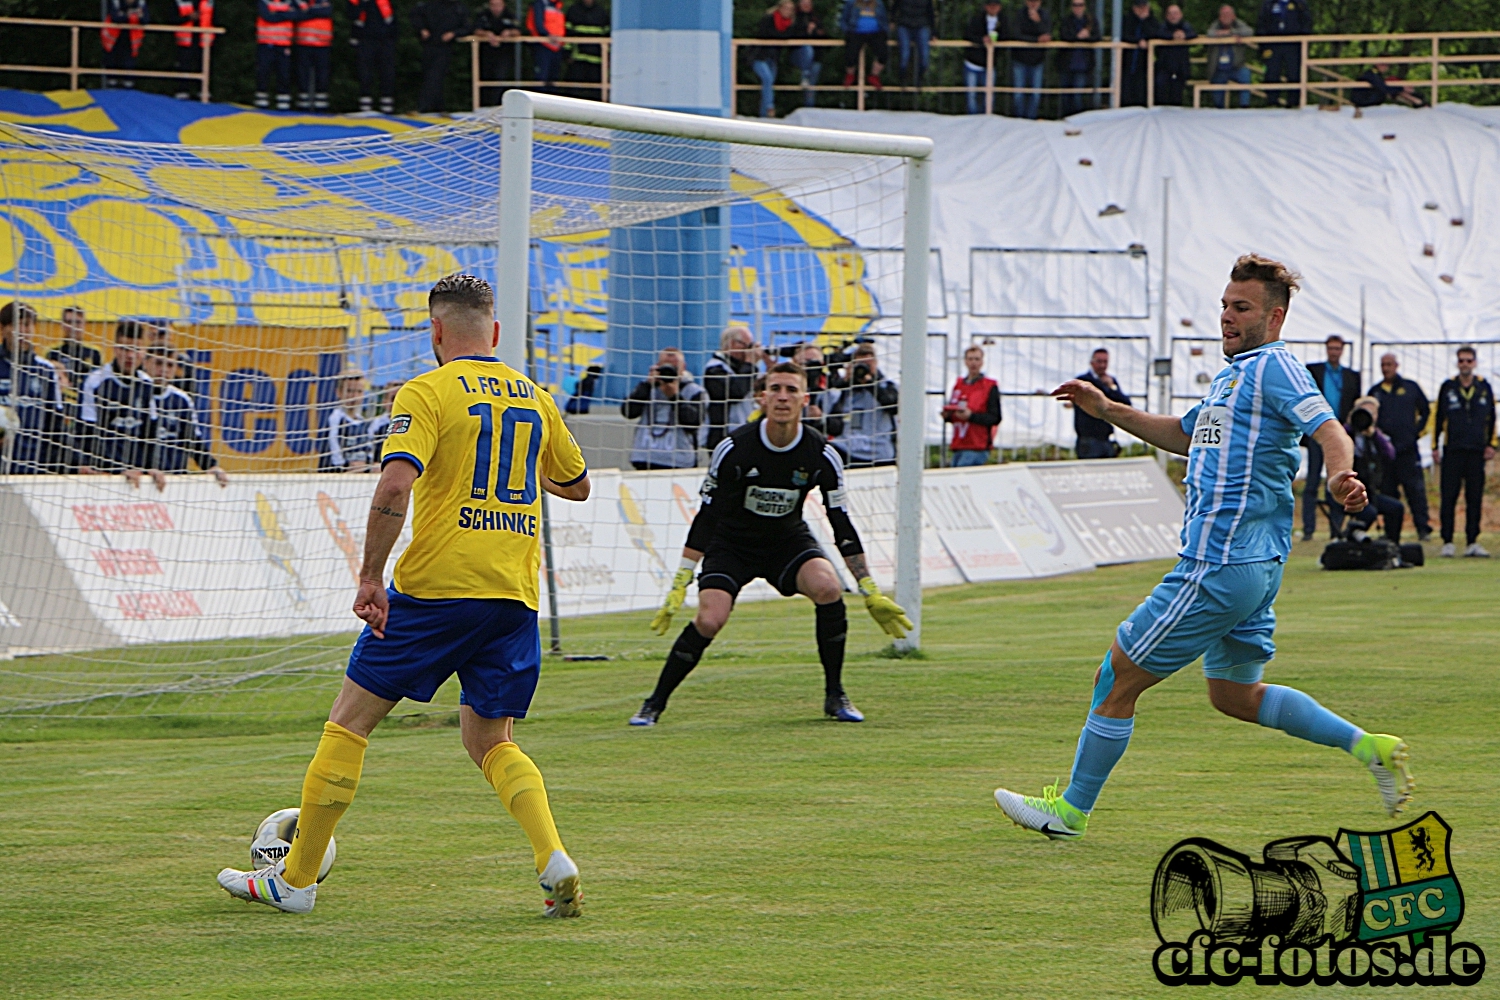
{"x":974,"y":411}
{"x":192,"y":14}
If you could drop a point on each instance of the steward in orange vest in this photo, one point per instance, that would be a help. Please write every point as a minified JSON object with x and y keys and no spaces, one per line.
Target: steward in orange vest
{"x":546,"y":19}
{"x":273,"y":51}
{"x":313,"y":55}
{"x":117,"y":56}
{"x":375,"y":37}
{"x":192,"y":14}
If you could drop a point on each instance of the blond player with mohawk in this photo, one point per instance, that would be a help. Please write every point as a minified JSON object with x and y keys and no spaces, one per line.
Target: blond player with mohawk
{"x":471,"y":445}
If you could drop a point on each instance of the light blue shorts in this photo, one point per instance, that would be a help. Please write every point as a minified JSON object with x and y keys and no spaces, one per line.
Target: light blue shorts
{"x":1221,"y":613}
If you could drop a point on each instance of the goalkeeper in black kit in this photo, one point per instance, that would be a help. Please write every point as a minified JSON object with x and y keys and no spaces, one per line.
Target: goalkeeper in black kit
{"x":750,"y":525}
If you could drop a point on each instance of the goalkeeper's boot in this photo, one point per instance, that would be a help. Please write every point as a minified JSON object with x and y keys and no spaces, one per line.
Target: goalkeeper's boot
{"x":648,"y":714}
{"x":559,"y":880}
{"x":267,"y":886}
{"x":841,"y":708}
{"x":1050,"y":815}
{"x":1386,"y":757}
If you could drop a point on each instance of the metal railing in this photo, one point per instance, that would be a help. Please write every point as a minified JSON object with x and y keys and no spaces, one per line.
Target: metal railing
{"x":1331,"y":83}
{"x":76,"y":69}
{"x":989,"y":88}
{"x":478,"y":85}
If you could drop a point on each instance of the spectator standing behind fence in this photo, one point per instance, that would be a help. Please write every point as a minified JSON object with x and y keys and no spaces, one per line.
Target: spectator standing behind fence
{"x":31,"y":395}
{"x":1031,"y":23}
{"x":176,"y":435}
{"x":1283,"y":60}
{"x":1226,"y":63}
{"x":312,"y":54}
{"x":546,"y":20}
{"x":805,"y":57}
{"x":1096,"y":438}
{"x":1137,"y":27}
{"x":347,"y":444}
{"x":986,"y":27}
{"x":374,"y":35}
{"x":1465,"y":408}
{"x":820,"y":398}
{"x":868,"y":408}
{"x":1402,"y":415}
{"x":77,"y":361}
{"x":1173,"y":62}
{"x":667,"y":436}
{"x":974,"y":411}
{"x":865,"y":25}
{"x":587,"y":18}
{"x":122,"y":46}
{"x":496,"y":30}
{"x":274,"y":27}
{"x":438,"y":24}
{"x":1341,"y":387}
{"x":915,"y":21}
{"x":780,"y":22}
{"x":116,"y":408}
{"x":190,"y":44}
{"x":1076,"y":66}
{"x":727,"y":378}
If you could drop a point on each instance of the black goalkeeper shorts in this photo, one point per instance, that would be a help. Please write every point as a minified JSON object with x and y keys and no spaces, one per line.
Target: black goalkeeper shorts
{"x":730,"y":568}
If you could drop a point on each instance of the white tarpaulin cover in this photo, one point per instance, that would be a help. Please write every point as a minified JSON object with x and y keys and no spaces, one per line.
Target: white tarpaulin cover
{"x":1404,"y":204}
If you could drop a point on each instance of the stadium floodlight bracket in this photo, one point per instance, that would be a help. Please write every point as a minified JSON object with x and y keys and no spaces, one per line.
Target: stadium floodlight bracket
{"x":520,"y":109}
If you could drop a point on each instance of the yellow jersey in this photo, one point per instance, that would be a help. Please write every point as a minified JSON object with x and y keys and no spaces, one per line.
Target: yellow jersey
{"x":482,"y":435}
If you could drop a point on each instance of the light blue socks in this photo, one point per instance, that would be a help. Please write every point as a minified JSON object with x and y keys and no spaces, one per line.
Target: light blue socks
{"x":1100,"y":747}
{"x":1299,"y":715}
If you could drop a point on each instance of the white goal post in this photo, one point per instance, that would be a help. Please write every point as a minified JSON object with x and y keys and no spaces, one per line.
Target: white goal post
{"x":521,"y":109}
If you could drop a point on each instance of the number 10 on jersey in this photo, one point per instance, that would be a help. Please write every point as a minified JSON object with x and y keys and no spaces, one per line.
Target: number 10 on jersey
{"x":509,"y":420}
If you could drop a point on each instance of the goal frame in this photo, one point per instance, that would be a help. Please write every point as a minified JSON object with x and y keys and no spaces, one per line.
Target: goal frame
{"x":520,"y":110}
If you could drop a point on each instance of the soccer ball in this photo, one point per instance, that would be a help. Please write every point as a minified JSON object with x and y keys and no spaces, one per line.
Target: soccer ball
{"x":273,"y":839}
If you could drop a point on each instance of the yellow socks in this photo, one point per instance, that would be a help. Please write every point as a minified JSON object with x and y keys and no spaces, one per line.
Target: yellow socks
{"x":524,"y":796}
{"x":327,"y":791}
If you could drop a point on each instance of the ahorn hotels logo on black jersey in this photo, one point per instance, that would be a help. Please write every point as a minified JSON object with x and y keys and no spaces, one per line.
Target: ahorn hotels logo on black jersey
{"x":1363,"y":908}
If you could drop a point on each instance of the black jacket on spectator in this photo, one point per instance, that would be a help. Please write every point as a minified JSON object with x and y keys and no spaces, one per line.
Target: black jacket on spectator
{"x":496,"y":62}
{"x":176,"y":434}
{"x":1092,"y":427}
{"x":116,"y":410}
{"x":30,"y":387}
{"x":728,"y":383}
{"x":1078,"y":60}
{"x":1024,"y":29}
{"x":1132,"y":30}
{"x":1350,"y":390}
{"x":1468,"y":415}
{"x":1175,"y":60}
{"x":913,"y":13}
{"x":975,"y":32}
{"x":439,"y":17}
{"x":767,"y":29}
{"x":1403,"y":412}
{"x":370,"y":24}
{"x":79,"y":360}
{"x":1284,"y":17}
{"x":1379,"y":92}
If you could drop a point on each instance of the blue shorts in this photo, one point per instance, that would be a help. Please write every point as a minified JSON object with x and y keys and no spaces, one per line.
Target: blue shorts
{"x":493,"y":646}
{"x":1221,"y":613}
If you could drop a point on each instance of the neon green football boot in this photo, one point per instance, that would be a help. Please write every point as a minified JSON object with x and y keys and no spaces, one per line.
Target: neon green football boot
{"x":1386,"y":757}
{"x":1051,"y":815}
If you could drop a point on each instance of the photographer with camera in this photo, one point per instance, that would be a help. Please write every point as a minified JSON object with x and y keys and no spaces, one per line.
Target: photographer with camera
{"x":820,"y":395}
{"x":1374,"y":458}
{"x":669,"y":405}
{"x":868,"y":409}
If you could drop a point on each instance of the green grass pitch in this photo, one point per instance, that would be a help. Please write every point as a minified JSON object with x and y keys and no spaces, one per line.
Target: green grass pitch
{"x":746,"y":846}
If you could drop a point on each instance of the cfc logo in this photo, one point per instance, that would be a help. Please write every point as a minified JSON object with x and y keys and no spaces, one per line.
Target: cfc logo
{"x":1364,"y":908}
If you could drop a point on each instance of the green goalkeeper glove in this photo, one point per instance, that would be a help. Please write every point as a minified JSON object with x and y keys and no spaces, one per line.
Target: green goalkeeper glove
{"x":889,"y":615}
{"x":674,"y":599}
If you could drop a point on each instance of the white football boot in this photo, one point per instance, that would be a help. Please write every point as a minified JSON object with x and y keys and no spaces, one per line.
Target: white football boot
{"x":267,"y":886}
{"x":559,"y":880}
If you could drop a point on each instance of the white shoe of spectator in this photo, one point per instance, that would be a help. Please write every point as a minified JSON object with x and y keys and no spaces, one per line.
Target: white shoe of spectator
{"x":1476,"y":551}
{"x":1448,"y":551}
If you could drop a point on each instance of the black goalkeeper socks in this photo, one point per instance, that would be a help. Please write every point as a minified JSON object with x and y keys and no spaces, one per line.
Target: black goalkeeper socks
{"x":833,"y":629}
{"x":685,"y":654}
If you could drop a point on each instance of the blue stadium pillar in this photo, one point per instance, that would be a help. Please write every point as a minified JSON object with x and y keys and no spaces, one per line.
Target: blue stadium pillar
{"x":668,"y":279}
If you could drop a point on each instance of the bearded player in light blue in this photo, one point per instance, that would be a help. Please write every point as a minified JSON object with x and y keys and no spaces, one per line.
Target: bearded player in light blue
{"x":1241,"y":444}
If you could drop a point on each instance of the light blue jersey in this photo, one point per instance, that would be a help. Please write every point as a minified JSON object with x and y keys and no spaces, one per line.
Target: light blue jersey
{"x":1244,"y":456}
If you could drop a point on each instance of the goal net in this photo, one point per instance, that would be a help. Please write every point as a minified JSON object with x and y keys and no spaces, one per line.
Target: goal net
{"x":202,"y":345}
